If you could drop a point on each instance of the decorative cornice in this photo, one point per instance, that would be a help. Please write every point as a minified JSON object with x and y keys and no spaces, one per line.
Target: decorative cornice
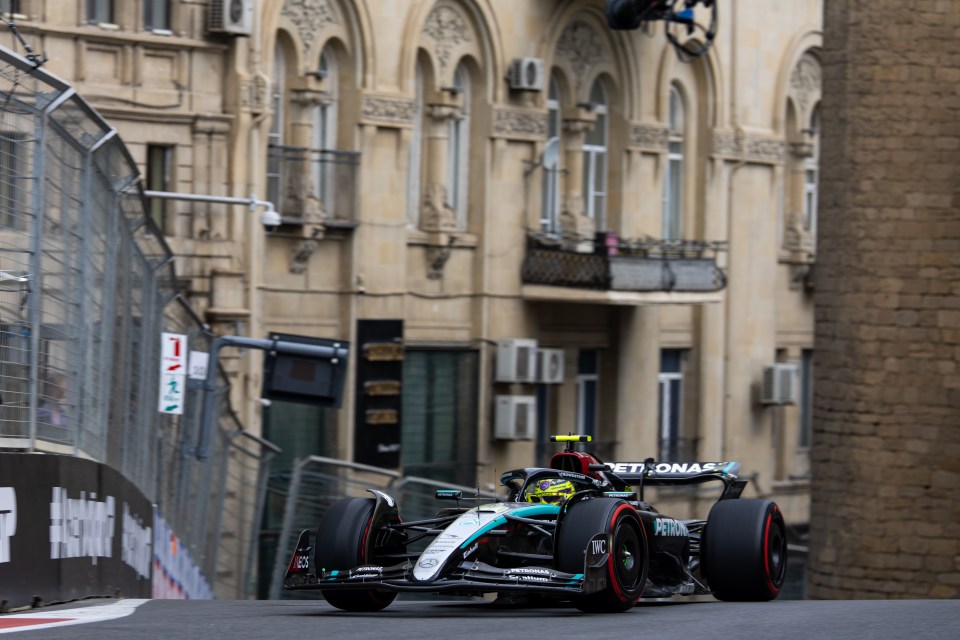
{"x":649,"y":137}
{"x":448,"y":29}
{"x":390,"y":110}
{"x":520,"y":124}
{"x":749,"y":148}
{"x":310,"y":17}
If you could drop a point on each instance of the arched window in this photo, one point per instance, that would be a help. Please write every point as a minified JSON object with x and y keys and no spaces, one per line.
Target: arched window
{"x":458,"y":149}
{"x":275,"y":138}
{"x":595,"y":159}
{"x":550,"y":207}
{"x":324,"y":131}
{"x":673,"y":183}
{"x":811,"y":177}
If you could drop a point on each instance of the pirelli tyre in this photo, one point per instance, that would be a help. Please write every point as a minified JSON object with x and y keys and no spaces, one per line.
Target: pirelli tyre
{"x":744,"y":550}
{"x":626,"y":562}
{"x":341,"y":544}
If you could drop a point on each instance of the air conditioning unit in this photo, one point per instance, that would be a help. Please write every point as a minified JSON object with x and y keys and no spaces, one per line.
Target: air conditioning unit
{"x":515,"y":417}
{"x":550,"y":366}
{"x":527,"y":74}
{"x":781,"y":384}
{"x":233,"y":17}
{"x":516,"y":360}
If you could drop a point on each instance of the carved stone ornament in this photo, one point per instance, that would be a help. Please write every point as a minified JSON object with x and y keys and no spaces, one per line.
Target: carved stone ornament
{"x":805,"y":81}
{"x":310,"y":16}
{"x":441,"y":113}
{"x":301,"y":255}
{"x":582,"y":49}
{"x":253,"y":93}
{"x":436,"y":260}
{"x":650,"y":137}
{"x":516,"y":124}
{"x":754,"y":149}
{"x":797,"y":237}
{"x":765,"y":150}
{"x":389,"y":110}
{"x":448,"y":29}
{"x":437,"y":215}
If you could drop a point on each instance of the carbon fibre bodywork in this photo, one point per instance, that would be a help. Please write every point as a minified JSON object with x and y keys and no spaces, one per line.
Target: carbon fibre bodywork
{"x":520,"y":546}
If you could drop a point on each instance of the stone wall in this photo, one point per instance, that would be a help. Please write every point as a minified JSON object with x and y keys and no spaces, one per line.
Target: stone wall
{"x":886,"y":459}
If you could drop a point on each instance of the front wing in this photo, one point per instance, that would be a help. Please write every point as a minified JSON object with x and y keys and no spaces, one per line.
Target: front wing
{"x":466,"y":577}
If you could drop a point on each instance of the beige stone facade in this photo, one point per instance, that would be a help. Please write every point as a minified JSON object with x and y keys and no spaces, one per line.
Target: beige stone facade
{"x":411,"y":172}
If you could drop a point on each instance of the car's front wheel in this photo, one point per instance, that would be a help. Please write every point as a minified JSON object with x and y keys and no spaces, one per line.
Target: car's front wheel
{"x":626,"y":562}
{"x":744,"y":550}
{"x":342,"y":542}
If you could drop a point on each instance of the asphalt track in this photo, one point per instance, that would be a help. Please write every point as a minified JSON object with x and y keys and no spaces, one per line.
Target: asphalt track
{"x":784,"y":620}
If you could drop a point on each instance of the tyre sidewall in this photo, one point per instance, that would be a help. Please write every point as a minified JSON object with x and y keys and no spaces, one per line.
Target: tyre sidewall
{"x":744,"y":550}
{"x":581,"y":523}
{"x":343,"y":542}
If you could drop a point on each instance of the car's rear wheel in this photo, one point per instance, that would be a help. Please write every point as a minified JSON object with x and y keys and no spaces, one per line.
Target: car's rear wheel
{"x":626,"y":562}
{"x":342,"y":544}
{"x":744,"y":550}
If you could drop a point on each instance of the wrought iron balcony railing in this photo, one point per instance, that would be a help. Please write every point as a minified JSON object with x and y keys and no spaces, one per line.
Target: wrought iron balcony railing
{"x":607,"y":262}
{"x":313,"y":185}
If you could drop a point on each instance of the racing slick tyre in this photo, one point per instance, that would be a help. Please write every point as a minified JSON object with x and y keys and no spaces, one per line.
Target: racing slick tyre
{"x":744,"y":550}
{"x":626,"y":560}
{"x":341,"y":543}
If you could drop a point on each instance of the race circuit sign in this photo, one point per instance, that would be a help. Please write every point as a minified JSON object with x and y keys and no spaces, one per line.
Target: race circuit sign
{"x":173,"y":372}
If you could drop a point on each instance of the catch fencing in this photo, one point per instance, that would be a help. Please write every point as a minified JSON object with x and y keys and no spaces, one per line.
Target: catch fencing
{"x":317,"y":482}
{"x":87,"y":287}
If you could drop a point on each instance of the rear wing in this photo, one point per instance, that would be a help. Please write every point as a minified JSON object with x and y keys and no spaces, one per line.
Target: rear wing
{"x":665,"y":474}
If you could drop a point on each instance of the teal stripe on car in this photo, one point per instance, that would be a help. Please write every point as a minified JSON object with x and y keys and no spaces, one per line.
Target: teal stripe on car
{"x":523,"y":512}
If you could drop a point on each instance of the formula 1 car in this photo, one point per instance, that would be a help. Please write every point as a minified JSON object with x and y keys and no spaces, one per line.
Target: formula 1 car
{"x":578,"y":531}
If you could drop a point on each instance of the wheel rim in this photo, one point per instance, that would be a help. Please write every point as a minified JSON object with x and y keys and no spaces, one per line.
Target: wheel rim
{"x":627,"y":557}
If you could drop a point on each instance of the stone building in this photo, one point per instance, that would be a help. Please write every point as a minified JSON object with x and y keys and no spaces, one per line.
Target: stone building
{"x":885,"y":514}
{"x":478,"y":171}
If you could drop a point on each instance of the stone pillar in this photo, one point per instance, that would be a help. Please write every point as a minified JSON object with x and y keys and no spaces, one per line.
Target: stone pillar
{"x":300,"y":197}
{"x":210,"y":178}
{"x":885,"y":518}
{"x":437,"y":216}
{"x":573,"y":218}
{"x":637,"y":402}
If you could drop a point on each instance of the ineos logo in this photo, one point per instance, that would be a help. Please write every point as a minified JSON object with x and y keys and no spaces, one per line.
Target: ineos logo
{"x":303,"y":562}
{"x":598,"y":547}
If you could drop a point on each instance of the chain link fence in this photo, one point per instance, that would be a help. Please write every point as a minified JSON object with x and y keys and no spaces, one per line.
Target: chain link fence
{"x":87,"y":287}
{"x":317,"y":482}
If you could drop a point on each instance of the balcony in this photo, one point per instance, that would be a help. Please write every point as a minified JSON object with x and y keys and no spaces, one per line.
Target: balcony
{"x":611,"y":270}
{"x":313,"y":186}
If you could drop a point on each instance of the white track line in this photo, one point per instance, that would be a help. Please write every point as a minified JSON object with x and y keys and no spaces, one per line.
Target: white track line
{"x":66,"y":617}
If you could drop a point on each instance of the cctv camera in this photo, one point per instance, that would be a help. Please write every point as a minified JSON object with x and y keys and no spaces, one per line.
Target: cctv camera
{"x":270,"y":220}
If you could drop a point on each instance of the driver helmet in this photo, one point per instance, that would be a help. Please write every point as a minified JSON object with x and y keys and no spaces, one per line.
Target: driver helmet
{"x":550,"y":490}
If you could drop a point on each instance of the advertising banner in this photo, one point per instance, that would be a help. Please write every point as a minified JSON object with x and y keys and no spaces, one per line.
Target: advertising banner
{"x":71,"y":528}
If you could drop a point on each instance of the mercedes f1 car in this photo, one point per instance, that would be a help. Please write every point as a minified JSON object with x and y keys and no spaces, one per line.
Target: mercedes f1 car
{"x":578,"y":530}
